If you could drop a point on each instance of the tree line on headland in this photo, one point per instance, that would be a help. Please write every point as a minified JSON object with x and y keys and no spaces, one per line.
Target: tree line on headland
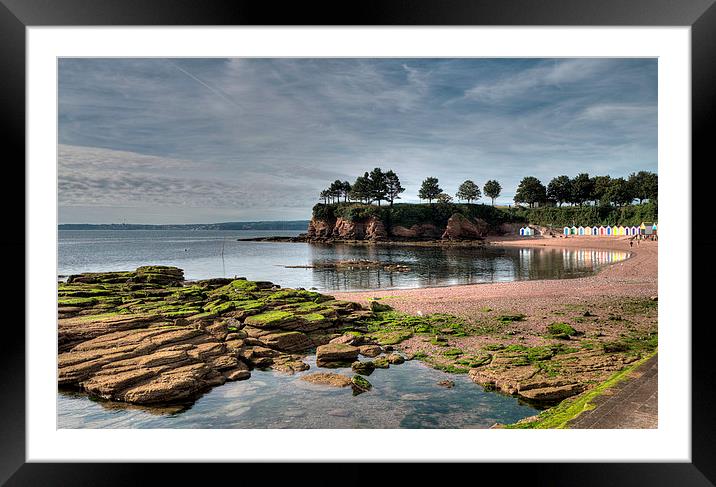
{"x":378,"y":186}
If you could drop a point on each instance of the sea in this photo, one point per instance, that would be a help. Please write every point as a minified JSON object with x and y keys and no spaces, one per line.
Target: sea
{"x":206,"y":254}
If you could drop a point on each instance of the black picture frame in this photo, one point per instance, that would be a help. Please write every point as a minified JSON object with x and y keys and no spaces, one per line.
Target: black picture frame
{"x":700,"y":15}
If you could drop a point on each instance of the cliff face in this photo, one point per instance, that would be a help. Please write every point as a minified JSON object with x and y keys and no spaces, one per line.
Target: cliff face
{"x":320,"y":229}
{"x":370,"y":229}
{"x":458,"y":227}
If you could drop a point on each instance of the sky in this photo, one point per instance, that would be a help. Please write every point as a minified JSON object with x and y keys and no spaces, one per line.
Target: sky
{"x":246,"y":139}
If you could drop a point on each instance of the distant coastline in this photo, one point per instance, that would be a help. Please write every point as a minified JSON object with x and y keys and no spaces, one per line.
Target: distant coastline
{"x":262,"y":225}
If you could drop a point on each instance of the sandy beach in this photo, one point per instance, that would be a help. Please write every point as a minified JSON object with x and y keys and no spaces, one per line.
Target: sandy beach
{"x":634,"y":277}
{"x":541,"y":301}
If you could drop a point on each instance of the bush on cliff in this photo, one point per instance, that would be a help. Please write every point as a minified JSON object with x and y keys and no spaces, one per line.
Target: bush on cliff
{"x":324,"y":212}
{"x":355,"y":212}
{"x":588,"y":215}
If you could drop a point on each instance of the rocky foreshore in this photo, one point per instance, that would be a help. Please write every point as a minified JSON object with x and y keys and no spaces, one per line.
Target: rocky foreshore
{"x":149,"y":337}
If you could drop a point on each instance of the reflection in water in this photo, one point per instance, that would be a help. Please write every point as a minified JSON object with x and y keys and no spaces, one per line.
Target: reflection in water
{"x":403,"y":396}
{"x":206,"y":254}
{"x":436,"y":266}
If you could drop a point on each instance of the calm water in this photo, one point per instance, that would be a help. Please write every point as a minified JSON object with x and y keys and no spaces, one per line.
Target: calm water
{"x":403,"y":396}
{"x":199,"y":253}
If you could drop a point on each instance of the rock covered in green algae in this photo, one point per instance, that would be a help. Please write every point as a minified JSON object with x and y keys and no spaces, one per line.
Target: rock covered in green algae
{"x":360,"y":384}
{"x":148,"y":337}
{"x":363,"y":368}
{"x":525,"y":372}
{"x":377,"y":307}
{"x":381,"y":363}
{"x":160,"y":275}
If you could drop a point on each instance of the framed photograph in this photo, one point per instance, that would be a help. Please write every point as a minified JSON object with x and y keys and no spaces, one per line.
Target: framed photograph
{"x":427,"y":234}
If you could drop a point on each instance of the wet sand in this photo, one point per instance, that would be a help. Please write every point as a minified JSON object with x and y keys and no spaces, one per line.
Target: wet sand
{"x":635,"y":277}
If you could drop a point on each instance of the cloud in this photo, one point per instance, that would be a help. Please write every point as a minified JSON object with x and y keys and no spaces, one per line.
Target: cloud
{"x":262,"y":135}
{"x":104,"y":177}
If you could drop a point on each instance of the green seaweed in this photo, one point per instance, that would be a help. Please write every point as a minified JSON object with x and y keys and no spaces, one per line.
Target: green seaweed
{"x":561,"y":330}
{"x":269,"y":318}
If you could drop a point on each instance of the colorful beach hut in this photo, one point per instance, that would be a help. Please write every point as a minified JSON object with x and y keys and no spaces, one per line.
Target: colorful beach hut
{"x":608,"y":231}
{"x":635,"y":230}
{"x":573,"y":231}
{"x":595,"y":230}
{"x":620,"y":230}
{"x":602,"y":231}
{"x":566,"y":230}
{"x":615,"y":230}
{"x":580,"y":231}
{"x":587,"y":230}
{"x":627,"y":231}
{"x":526,"y":232}
{"x":654,"y":228}
{"x":647,"y":228}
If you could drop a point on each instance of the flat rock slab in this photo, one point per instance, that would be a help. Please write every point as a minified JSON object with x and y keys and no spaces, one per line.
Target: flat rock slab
{"x":327,"y":379}
{"x":370,"y":350}
{"x":336,"y":352}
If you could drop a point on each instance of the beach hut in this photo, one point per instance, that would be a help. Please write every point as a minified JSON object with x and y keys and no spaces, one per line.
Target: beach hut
{"x":627,"y":231}
{"x":573,"y":231}
{"x":608,"y":231}
{"x":526,"y":232}
{"x":587,"y":230}
{"x":602,"y":231}
{"x":620,"y":230}
{"x":615,"y":230}
{"x":653,"y":227}
{"x":635,"y":230}
{"x":646,"y":228}
{"x":566,"y":230}
{"x":595,"y":230}
{"x":580,"y":231}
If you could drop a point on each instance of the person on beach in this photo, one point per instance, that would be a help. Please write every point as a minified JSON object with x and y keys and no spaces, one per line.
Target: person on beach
{"x":631,"y":243}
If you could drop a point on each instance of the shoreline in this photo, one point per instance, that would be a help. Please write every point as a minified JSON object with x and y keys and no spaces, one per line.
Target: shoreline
{"x":613,"y":310}
{"x":636,"y":275}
